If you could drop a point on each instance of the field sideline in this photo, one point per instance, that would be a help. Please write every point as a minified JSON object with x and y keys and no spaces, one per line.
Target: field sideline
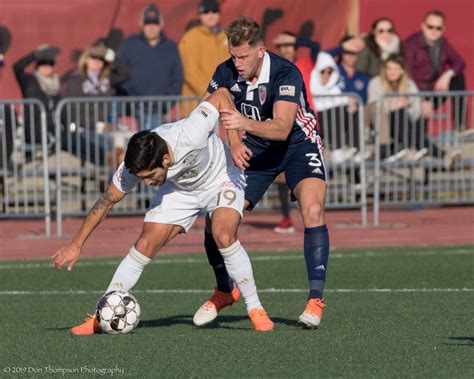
{"x":392,"y":312}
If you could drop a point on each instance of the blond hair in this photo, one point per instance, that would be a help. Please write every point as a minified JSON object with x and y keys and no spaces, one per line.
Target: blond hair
{"x":82,"y":65}
{"x":402,"y":84}
{"x":244,"y":30}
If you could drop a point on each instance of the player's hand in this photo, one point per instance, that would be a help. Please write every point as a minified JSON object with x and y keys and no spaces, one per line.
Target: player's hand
{"x":241,"y":155}
{"x":442,"y":84}
{"x":233,"y":119}
{"x":69,"y":253}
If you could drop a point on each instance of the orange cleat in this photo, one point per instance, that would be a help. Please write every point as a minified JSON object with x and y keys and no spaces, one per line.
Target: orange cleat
{"x":219,"y":300}
{"x":90,"y":326}
{"x":313,"y":313}
{"x":260,"y":320}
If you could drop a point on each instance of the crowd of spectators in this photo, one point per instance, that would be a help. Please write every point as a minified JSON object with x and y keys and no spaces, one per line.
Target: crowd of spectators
{"x":150,"y":64}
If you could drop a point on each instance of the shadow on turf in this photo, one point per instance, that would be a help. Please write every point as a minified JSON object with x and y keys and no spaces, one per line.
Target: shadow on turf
{"x":462,"y":341}
{"x":188,"y":320}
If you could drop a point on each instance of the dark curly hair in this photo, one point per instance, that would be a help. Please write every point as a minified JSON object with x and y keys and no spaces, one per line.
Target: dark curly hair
{"x":145,"y":151}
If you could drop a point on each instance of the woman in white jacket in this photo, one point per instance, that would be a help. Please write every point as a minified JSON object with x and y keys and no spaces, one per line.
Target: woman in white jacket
{"x":336,"y":114}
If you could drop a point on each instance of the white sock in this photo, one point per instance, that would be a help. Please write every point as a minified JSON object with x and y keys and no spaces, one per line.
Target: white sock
{"x":129,"y":271}
{"x":238,"y":266}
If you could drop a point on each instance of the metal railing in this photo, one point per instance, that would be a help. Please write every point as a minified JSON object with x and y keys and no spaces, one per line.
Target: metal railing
{"x":91,"y":137}
{"x":412,"y":160}
{"x":341,"y":123}
{"x":424,"y":149}
{"x":24,"y":172}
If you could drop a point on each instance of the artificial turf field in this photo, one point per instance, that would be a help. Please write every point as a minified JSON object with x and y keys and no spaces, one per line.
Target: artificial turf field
{"x":393,"y":312}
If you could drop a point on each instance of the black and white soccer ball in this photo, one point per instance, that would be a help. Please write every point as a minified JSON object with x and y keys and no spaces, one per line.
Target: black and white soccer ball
{"x":118,"y":312}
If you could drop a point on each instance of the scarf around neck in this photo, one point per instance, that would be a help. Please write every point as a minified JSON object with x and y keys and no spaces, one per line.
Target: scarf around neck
{"x":389,"y":48}
{"x":50,"y":85}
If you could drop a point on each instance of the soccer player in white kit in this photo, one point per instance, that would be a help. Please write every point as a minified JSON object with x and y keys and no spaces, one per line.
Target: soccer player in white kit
{"x":194,"y":172}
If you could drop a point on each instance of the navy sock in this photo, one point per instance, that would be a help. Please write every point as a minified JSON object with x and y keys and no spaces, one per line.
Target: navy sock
{"x":224,"y":282}
{"x":316,"y":255}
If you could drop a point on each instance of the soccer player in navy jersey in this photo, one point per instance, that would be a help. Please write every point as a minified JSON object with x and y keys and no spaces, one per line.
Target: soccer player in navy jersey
{"x":280,"y":135}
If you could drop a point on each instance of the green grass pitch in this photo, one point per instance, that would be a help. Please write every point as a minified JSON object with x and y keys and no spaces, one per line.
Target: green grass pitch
{"x":394,"y":312}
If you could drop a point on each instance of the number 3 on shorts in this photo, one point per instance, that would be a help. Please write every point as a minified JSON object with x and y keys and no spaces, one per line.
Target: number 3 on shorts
{"x":314,"y":160}
{"x":228,"y":195}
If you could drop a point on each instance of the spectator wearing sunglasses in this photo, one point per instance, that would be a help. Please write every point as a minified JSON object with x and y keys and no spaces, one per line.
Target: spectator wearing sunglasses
{"x":379,"y":45}
{"x":287,"y":44}
{"x":333,"y":112}
{"x":97,"y":74}
{"x":433,"y":63}
{"x":202,"y":48}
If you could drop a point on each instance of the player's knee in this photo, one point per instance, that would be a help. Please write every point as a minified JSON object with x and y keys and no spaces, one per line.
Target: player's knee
{"x":223,"y":237}
{"x":313,"y":214}
{"x":147,"y":246}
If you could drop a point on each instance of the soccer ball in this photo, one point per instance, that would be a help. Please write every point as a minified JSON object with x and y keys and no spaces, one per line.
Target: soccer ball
{"x":118,"y":312}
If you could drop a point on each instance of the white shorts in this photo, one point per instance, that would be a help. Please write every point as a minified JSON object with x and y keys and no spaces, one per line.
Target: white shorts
{"x":175,"y":206}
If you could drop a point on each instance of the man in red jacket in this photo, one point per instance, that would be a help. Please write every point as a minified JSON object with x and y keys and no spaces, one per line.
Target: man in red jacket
{"x":433,"y":64}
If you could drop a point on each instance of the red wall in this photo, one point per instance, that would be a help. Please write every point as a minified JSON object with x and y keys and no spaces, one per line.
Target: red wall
{"x":73,"y":24}
{"x":408,"y":15}
{"x":76,"y":23}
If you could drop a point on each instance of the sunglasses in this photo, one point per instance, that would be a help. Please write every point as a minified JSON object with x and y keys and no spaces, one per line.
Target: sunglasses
{"x":434,"y":27}
{"x":209,"y":11}
{"x":382,"y":31}
{"x":326,"y":71}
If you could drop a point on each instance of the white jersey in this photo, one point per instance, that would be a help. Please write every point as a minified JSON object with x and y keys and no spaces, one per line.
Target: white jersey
{"x":199,"y":155}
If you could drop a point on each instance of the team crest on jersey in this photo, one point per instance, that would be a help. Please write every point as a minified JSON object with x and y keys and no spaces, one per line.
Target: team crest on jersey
{"x":359,"y":85}
{"x":287,"y":91}
{"x":262,"y":94}
{"x":120,"y":176}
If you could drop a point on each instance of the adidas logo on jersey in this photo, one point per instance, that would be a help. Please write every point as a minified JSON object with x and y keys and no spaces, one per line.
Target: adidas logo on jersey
{"x":235,"y":88}
{"x":317,"y":171}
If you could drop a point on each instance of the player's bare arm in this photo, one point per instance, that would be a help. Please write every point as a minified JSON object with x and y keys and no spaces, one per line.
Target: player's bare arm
{"x":277,"y":129}
{"x":70,"y":253}
{"x":241,"y":154}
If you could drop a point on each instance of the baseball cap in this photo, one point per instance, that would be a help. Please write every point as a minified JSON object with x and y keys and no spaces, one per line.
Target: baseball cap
{"x":46,"y":55}
{"x":208,"y":6}
{"x":98,"y":51}
{"x":151,"y":15}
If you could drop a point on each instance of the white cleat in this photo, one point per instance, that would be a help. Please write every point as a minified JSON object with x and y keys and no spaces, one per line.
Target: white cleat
{"x":207,"y":313}
{"x":313,"y":313}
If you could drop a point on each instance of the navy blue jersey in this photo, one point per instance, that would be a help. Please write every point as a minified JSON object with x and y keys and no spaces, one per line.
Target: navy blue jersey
{"x":279,"y":79}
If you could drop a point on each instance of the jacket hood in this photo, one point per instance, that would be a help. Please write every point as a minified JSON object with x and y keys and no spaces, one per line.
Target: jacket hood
{"x":324,"y":60}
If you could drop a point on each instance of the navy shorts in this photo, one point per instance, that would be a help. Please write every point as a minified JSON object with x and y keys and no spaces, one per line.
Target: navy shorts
{"x":298,"y":161}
